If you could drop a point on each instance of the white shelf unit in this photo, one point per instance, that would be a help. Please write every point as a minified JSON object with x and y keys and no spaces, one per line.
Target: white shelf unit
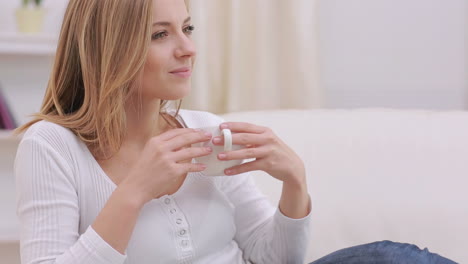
{"x":9,"y":233}
{"x":19,"y":52}
{"x":7,"y":136}
{"x":25,"y":62}
{"x":13,"y":43}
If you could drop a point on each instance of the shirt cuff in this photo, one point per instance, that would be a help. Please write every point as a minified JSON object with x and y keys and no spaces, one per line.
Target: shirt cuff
{"x":279,"y":216}
{"x":101,"y":247}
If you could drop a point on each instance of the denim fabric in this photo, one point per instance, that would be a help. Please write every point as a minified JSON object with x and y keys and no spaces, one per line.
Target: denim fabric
{"x":383,"y":252}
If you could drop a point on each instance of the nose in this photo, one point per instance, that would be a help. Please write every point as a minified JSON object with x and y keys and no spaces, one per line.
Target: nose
{"x":185,"y":48}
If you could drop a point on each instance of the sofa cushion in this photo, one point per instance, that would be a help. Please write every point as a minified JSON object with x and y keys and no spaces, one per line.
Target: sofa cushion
{"x":378,"y":174}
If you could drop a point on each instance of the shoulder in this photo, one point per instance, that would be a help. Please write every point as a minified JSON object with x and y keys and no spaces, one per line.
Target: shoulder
{"x":48,"y":153}
{"x":44,"y":134}
{"x":49,"y":132}
{"x":200,"y":118}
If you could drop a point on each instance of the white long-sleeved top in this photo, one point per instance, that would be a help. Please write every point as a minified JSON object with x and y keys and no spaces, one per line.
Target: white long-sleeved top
{"x":61,"y":189}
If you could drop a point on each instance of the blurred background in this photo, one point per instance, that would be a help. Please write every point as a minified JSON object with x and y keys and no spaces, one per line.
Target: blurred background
{"x":267,"y":54}
{"x":263,"y":54}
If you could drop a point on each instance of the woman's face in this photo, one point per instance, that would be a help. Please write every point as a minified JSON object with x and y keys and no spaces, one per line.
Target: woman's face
{"x":171,"y":54}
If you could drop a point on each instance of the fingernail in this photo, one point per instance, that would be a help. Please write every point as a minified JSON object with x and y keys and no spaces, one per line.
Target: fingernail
{"x":209,"y":149}
{"x":222,"y":156}
{"x":208,"y":134}
{"x":224,"y":126}
{"x":217,"y":140}
{"x":227,"y":172}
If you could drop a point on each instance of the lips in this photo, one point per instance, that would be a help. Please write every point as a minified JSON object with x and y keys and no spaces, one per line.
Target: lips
{"x":183,"y":69}
{"x":182,"y":72}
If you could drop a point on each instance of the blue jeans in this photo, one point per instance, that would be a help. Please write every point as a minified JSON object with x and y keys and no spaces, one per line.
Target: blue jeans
{"x":384,"y":252}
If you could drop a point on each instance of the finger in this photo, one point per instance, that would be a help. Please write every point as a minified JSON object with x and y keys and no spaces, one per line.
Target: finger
{"x":244,"y":139}
{"x":247,"y":153}
{"x":245,"y":167}
{"x":189,"y":153}
{"x":184,"y":140}
{"x":175,"y":132}
{"x":192,"y":167}
{"x":243,"y":127}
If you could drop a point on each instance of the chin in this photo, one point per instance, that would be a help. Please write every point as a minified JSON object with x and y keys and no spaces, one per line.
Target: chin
{"x":179,"y":93}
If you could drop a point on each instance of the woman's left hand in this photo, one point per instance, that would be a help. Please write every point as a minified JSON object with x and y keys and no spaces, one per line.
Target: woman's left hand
{"x":272,"y":155}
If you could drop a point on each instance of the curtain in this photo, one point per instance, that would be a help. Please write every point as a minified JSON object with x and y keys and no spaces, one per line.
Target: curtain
{"x":254,"y":55}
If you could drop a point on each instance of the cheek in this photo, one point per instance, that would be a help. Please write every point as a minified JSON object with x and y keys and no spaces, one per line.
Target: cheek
{"x":153,"y":67}
{"x":152,"y":76}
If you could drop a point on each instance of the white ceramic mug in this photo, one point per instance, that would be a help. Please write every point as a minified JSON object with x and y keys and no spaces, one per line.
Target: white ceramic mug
{"x":216,"y":167}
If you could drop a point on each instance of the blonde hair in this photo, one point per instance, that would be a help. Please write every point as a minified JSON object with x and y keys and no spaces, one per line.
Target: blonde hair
{"x":101,"y":50}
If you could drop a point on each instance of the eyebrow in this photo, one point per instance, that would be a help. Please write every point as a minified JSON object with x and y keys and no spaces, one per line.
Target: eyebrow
{"x":164,"y":23}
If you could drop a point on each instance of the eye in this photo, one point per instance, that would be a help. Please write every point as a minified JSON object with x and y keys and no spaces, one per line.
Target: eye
{"x":159,"y":35}
{"x":189,"y":29}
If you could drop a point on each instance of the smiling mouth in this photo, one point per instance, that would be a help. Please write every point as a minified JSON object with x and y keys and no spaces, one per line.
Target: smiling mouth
{"x":184,"y":73}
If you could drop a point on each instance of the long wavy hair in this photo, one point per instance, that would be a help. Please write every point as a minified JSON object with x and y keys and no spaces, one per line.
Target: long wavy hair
{"x":101,"y":50}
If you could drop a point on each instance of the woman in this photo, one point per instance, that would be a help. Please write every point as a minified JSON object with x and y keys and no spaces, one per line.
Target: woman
{"x":105,"y":172}
{"x":108,"y":176}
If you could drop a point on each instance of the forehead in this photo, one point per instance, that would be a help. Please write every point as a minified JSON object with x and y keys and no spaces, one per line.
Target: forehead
{"x":169,"y":10}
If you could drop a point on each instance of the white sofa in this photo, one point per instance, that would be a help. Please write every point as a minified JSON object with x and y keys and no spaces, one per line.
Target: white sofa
{"x":378,"y":174}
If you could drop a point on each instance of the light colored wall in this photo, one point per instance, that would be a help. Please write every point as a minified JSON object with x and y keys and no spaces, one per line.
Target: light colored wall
{"x":394,"y":53}
{"x":374,"y":53}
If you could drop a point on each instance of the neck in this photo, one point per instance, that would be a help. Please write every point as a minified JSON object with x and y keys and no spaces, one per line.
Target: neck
{"x":143,"y":121}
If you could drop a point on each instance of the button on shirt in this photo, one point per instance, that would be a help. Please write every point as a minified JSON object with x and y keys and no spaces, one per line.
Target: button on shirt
{"x":61,"y":190}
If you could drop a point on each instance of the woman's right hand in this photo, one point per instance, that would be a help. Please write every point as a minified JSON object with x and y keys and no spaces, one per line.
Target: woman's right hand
{"x":164,"y":160}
